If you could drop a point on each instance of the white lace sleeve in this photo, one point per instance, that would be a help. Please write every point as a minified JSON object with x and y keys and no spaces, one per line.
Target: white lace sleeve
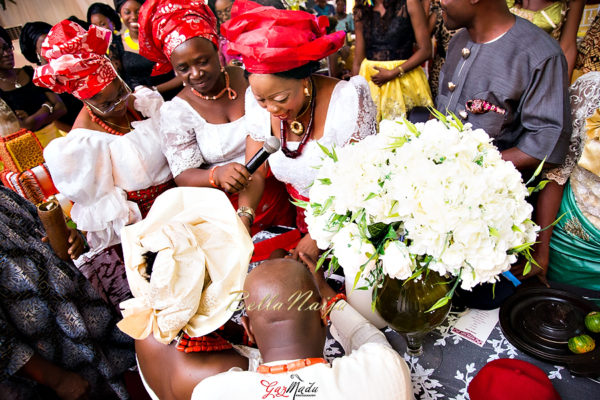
{"x":585,"y":99}
{"x":258,"y":119}
{"x":367,"y":112}
{"x":178,"y":126}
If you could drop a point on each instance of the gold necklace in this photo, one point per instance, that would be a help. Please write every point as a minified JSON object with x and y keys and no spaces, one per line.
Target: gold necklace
{"x":296,"y":126}
{"x":120,"y":126}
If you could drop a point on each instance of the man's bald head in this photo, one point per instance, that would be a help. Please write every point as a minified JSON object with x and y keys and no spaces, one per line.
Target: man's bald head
{"x":283,"y":307}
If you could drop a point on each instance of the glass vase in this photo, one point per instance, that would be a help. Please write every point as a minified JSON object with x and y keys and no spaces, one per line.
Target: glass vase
{"x":404,"y":304}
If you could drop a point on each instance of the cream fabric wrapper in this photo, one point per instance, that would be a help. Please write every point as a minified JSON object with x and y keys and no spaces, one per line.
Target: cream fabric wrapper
{"x":203,"y":254}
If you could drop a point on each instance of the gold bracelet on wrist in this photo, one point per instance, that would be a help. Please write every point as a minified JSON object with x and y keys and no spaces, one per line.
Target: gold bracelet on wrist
{"x":400,"y":71}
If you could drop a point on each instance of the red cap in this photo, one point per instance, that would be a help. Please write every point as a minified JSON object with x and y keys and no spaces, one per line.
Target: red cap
{"x":508,"y":379}
{"x":271,"y":40}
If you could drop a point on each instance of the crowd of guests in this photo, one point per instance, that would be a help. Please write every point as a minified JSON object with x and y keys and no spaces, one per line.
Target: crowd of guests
{"x":167,"y":100}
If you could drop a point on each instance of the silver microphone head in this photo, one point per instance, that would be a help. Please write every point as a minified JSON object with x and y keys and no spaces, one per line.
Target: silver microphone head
{"x":272,"y":144}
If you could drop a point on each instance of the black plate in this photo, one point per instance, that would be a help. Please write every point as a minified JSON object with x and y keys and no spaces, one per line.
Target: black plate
{"x":540,"y":321}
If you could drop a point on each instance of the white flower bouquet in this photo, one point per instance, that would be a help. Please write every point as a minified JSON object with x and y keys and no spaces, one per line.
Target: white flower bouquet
{"x":431,"y":196}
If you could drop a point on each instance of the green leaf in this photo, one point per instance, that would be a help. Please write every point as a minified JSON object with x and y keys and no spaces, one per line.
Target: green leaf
{"x":438,"y":115}
{"x":516,"y":229}
{"x":325,"y":181}
{"x":439,"y":304}
{"x":527,"y":268}
{"x":494,"y":231}
{"x":538,"y":170}
{"x":328,"y":153}
{"x":322,"y":259}
{"x":520,"y":248}
{"x":300,"y":203}
{"x":556,"y":221}
{"x":540,"y":186}
{"x":370,"y":196}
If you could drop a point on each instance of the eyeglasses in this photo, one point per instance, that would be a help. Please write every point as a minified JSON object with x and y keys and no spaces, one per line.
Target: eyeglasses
{"x":7,"y":48}
{"x":109,"y":106}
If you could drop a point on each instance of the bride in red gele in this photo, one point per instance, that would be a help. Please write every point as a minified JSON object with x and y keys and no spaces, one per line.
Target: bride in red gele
{"x":281,"y":49}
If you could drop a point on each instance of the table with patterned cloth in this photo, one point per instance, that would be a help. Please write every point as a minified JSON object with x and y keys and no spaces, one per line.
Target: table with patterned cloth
{"x":461,"y":360}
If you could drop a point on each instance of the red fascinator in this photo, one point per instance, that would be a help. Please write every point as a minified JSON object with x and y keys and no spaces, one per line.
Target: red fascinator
{"x":165,"y":24}
{"x":77,"y":61}
{"x":271,"y":40}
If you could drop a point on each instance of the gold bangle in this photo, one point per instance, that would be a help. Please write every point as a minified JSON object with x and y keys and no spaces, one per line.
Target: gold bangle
{"x":400,"y":71}
{"x":246,"y":211}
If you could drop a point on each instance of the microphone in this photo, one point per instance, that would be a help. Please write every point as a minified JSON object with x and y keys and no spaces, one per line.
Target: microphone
{"x":271,"y":145}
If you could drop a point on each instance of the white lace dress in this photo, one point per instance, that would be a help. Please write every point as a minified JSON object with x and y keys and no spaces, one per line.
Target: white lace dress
{"x":191,"y":142}
{"x":95,"y":170}
{"x":585,"y":100}
{"x":350,"y":116}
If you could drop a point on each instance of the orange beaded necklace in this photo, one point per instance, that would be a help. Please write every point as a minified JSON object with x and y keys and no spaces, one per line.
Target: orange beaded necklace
{"x":289,"y":367}
{"x":104,"y":126}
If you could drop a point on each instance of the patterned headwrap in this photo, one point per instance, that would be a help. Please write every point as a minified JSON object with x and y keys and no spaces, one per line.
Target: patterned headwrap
{"x":271,"y":40}
{"x":77,"y":61}
{"x":165,"y":24}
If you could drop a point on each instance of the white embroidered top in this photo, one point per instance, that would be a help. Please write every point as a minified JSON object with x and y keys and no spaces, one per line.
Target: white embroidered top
{"x":95,"y":170}
{"x":350,"y":116}
{"x":190,"y":142}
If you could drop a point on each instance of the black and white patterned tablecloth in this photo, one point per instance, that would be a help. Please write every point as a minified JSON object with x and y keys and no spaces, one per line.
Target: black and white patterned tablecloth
{"x":461,"y":360}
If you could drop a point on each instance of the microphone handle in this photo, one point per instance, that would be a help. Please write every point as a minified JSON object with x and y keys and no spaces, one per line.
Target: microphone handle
{"x":259,"y":158}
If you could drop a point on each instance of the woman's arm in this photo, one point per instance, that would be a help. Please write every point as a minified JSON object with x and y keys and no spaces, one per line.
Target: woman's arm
{"x":423,"y":53}
{"x":66,"y":384}
{"x":568,"y":36}
{"x":359,"y":47}
{"x":231,"y":177}
{"x":43,"y":116}
{"x":250,"y":197}
{"x":170,"y":85}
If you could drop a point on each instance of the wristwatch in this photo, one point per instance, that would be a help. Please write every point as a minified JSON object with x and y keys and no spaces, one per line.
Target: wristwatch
{"x":247,"y":212}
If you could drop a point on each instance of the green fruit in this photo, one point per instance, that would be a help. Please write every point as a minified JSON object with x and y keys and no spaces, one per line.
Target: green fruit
{"x":592,"y":321}
{"x":581,"y":344}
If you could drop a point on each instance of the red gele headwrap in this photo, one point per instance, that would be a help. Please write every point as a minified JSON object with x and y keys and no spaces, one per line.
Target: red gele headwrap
{"x":77,"y":61}
{"x":165,"y":24}
{"x":271,"y":40}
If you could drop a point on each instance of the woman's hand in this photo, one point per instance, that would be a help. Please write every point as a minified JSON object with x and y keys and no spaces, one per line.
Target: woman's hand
{"x":306,"y":246}
{"x":71,"y":386}
{"x":324,"y":289}
{"x":25,"y":120}
{"x":77,"y":243}
{"x":232,"y":177}
{"x":384,"y":75}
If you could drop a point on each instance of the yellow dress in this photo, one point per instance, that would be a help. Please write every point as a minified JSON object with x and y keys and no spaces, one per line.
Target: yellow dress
{"x":398,"y":96}
{"x":551,"y":18}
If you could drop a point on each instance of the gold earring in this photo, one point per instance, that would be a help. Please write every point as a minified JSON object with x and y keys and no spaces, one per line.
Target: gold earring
{"x":306,"y":92}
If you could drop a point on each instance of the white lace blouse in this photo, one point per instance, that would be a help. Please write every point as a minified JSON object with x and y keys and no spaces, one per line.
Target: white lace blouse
{"x":95,"y":170}
{"x":190,"y":142}
{"x":350,"y":116}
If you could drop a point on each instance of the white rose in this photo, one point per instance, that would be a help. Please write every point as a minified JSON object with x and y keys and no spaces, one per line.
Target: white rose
{"x":396,"y":260}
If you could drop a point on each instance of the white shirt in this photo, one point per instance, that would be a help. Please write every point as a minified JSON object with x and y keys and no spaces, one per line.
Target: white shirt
{"x":190,"y":142}
{"x":370,"y":370}
{"x":95,"y":169}
{"x":350,"y":116}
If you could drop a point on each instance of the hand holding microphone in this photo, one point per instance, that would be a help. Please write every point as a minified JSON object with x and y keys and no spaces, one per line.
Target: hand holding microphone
{"x":233,"y":177}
